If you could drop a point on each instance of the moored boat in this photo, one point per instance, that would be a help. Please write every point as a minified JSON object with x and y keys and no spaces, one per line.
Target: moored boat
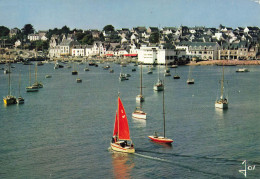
{"x":222,"y":102}
{"x":190,"y":80}
{"x":9,"y":99}
{"x":161,"y":139}
{"x":159,"y":85}
{"x":139,"y":114}
{"x":20,"y":99}
{"x":79,"y":80}
{"x":242,"y":70}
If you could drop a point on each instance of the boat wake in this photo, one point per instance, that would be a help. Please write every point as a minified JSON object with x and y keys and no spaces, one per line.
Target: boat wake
{"x":153,"y":158}
{"x":189,"y":166}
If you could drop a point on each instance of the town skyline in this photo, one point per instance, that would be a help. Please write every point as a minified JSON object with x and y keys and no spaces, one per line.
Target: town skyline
{"x":44,"y":15}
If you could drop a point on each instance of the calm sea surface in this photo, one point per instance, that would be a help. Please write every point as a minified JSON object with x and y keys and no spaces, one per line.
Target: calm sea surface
{"x":64,"y":130}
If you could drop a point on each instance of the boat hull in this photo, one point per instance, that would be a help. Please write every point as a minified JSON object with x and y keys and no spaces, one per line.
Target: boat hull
{"x":161,"y":139}
{"x":158,"y":88}
{"x":31,"y":89}
{"x":139,"y":115}
{"x":221,"y":105}
{"x":139,"y":98}
{"x":20,"y":100}
{"x":9,"y":100}
{"x":118,"y":148}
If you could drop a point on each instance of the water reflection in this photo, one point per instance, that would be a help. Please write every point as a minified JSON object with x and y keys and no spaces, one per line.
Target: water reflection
{"x":122,"y":164}
{"x":220,"y":113}
{"x":139,"y":123}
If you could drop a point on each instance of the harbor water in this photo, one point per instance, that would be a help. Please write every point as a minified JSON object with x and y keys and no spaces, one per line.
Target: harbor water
{"x":64,"y":130}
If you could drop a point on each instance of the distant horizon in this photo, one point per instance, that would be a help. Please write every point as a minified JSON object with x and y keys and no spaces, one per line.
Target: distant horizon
{"x":96,"y":14}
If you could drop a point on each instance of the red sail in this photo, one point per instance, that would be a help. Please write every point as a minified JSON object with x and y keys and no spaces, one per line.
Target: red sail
{"x":116,"y":126}
{"x":123,"y":129}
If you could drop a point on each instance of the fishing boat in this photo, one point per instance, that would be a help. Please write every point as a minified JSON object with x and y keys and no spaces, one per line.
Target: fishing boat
{"x":161,"y":139}
{"x":9,"y":99}
{"x":190,"y":80}
{"x":31,"y":88}
{"x":140,"y":97}
{"x":20,"y":99}
{"x":159,"y":85}
{"x":222,"y":102}
{"x":121,"y":141}
{"x":86,"y":69}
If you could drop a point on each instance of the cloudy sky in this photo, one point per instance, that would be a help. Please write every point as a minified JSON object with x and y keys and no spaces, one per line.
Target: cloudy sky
{"x":95,"y":14}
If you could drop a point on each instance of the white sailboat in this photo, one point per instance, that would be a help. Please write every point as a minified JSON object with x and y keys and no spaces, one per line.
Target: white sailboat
{"x":159,"y":85}
{"x":31,"y":88}
{"x":161,"y":139}
{"x":222,"y":102}
{"x":140,"y":97}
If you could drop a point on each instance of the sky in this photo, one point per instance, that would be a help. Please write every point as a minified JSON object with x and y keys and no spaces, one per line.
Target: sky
{"x":95,"y":14}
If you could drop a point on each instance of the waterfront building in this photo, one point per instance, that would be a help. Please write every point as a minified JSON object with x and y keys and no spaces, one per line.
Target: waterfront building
{"x":78,"y":50}
{"x":156,"y":54}
{"x":204,"y":50}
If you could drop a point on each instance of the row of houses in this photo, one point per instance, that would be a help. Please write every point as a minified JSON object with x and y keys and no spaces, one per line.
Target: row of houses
{"x":149,"y":54}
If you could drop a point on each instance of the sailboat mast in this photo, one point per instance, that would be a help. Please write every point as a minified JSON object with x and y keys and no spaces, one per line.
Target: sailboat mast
{"x":163,"y":117}
{"x":222,"y":83}
{"x":118,"y":116}
{"x":9,"y":79}
{"x":158,"y":72}
{"x":29,"y":75}
{"x":35,"y":72}
{"x":141,"y":80}
{"x":19,"y":83}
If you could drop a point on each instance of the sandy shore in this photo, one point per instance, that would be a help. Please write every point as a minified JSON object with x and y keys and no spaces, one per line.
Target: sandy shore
{"x":227,"y":62}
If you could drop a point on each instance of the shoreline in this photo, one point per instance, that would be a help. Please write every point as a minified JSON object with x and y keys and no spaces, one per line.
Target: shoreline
{"x":226,"y":62}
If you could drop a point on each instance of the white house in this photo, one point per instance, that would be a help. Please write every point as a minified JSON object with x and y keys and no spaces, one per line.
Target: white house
{"x":33,"y":37}
{"x":78,"y":51}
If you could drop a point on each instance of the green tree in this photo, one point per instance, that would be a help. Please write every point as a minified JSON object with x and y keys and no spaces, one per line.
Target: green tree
{"x":80,"y":36}
{"x":154,"y":37}
{"x":87,"y":39}
{"x":4,"y":31}
{"x":65,"y":30}
{"x":27,"y":29}
{"x":109,"y":28}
